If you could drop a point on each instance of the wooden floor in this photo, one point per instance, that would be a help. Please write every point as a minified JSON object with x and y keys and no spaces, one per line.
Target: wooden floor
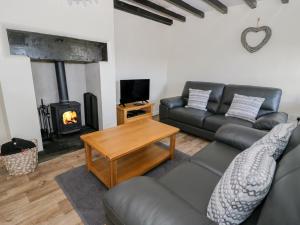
{"x":37,"y":199}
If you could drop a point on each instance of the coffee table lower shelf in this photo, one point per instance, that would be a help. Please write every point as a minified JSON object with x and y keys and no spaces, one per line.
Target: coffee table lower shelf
{"x":134,"y":164}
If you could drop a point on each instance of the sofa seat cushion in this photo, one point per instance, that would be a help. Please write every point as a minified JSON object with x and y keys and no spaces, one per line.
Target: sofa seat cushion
{"x":192,"y":183}
{"x":142,"y":200}
{"x":215,"y":157}
{"x":194,"y":117}
{"x":214,"y":122}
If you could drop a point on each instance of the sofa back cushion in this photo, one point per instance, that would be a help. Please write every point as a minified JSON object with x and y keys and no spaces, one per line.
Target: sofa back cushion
{"x":283,"y":201}
{"x":276,"y":141}
{"x":215,"y":95}
{"x":272,"y":97}
{"x":242,"y":187}
{"x":294,"y":140}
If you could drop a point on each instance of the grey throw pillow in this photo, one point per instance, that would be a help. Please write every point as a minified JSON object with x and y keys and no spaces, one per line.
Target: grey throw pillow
{"x":245,"y":107}
{"x":243,"y":186}
{"x":198,"y":99}
{"x":277,"y":139}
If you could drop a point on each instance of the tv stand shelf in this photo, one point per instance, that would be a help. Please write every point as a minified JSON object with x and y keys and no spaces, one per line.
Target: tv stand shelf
{"x":123,"y":112}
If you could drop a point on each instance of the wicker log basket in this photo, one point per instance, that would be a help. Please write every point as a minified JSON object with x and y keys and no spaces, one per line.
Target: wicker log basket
{"x":21,"y":163}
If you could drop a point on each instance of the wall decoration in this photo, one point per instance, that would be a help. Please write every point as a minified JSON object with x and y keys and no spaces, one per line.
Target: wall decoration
{"x":268,"y":34}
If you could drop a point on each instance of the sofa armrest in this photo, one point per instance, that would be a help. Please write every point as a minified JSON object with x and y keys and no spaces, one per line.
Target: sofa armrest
{"x":237,"y":136}
{"x":173,"y":102}
{"x":143,"y":200}
{"x":267,"y":122}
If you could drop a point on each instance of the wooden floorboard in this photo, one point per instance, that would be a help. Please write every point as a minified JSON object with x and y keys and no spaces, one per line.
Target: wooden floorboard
{"x":37,"y":199}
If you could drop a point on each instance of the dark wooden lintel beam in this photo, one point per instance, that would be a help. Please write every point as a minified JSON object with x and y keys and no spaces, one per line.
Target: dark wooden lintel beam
{"x":252,"y":3}
{"x":187,"y":7}
{"x":161,"y":9}
{"x":217,"y":5}
{"x":141,"y":12}
{"x":46,"y":47}
{"x":285,"y":1}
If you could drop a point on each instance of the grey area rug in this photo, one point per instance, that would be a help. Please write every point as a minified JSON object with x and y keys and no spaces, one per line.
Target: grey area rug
{"x":85,"y":191}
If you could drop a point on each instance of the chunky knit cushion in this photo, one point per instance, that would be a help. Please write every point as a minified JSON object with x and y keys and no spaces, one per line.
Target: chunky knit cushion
{"x":243,"y":186}
{"x":245,"y":107}
{"x":248,"y":178}
{"x":277,"y":139}
{"x":198,"y":99}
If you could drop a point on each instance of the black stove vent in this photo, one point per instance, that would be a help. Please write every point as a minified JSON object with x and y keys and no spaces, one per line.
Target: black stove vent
{"x":61,"y":82}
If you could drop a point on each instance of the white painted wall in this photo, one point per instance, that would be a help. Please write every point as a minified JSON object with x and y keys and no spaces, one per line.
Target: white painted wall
{"x":4,"y":133}
{"x":210,"y":50}
{"x":92,"y":72}
{"x":19,"y":99}
{"x":141,"y":52}
{"x":45,"y":84}
{"x":92,"y":22}
{"x":108,"y":95}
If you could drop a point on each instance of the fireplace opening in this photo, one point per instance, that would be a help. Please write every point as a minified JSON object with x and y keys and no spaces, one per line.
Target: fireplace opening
{"x":67,"y":104}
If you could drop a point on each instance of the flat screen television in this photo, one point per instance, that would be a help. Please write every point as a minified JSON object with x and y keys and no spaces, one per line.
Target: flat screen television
{"x":134,"y":90}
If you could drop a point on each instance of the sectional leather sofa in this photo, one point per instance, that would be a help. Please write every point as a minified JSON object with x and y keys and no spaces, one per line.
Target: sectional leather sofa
{"x":181,"y":196}
{"x":206,"y":123}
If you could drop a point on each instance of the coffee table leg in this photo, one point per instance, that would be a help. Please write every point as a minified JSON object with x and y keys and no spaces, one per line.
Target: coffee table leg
{"x":172,"y":145}
{"x":113,"y":173}
{"x":88,"y":155}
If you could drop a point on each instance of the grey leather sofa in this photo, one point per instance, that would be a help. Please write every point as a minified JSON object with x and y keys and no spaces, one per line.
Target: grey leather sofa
{"x":206,"y":123}
{"x":181,"y":196}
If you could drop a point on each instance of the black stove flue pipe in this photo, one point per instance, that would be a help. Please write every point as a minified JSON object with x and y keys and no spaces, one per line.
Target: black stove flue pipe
{"x":61,"y":82}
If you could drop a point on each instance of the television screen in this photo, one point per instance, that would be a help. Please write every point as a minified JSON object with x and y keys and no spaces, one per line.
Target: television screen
{"x":134,"y":90}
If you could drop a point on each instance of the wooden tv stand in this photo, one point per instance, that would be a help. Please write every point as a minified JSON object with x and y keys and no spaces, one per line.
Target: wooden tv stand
{"x":123,"y":112}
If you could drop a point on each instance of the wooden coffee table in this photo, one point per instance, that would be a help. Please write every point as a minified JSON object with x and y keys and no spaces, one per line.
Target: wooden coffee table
{"x":127,"y":150}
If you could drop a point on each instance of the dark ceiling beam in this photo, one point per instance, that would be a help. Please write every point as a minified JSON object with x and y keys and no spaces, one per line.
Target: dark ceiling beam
{"x":159,"y":8}
{"x":141,"y":12}
{"x":252,"y":3}
{"x":217,"y":5}
{"x":285,"y":1}
{"x":187,"y":7}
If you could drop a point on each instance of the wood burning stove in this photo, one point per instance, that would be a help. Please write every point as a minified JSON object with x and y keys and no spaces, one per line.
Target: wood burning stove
{"x":66,"y":115}
{"x":66,"y":118}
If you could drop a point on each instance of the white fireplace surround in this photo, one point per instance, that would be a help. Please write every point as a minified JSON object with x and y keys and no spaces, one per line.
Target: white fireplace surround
{"x":19,"y":116}
{"x":19,"y":98}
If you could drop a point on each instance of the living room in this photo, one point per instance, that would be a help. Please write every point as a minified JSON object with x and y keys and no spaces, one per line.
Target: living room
{"x":205,"y":41}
